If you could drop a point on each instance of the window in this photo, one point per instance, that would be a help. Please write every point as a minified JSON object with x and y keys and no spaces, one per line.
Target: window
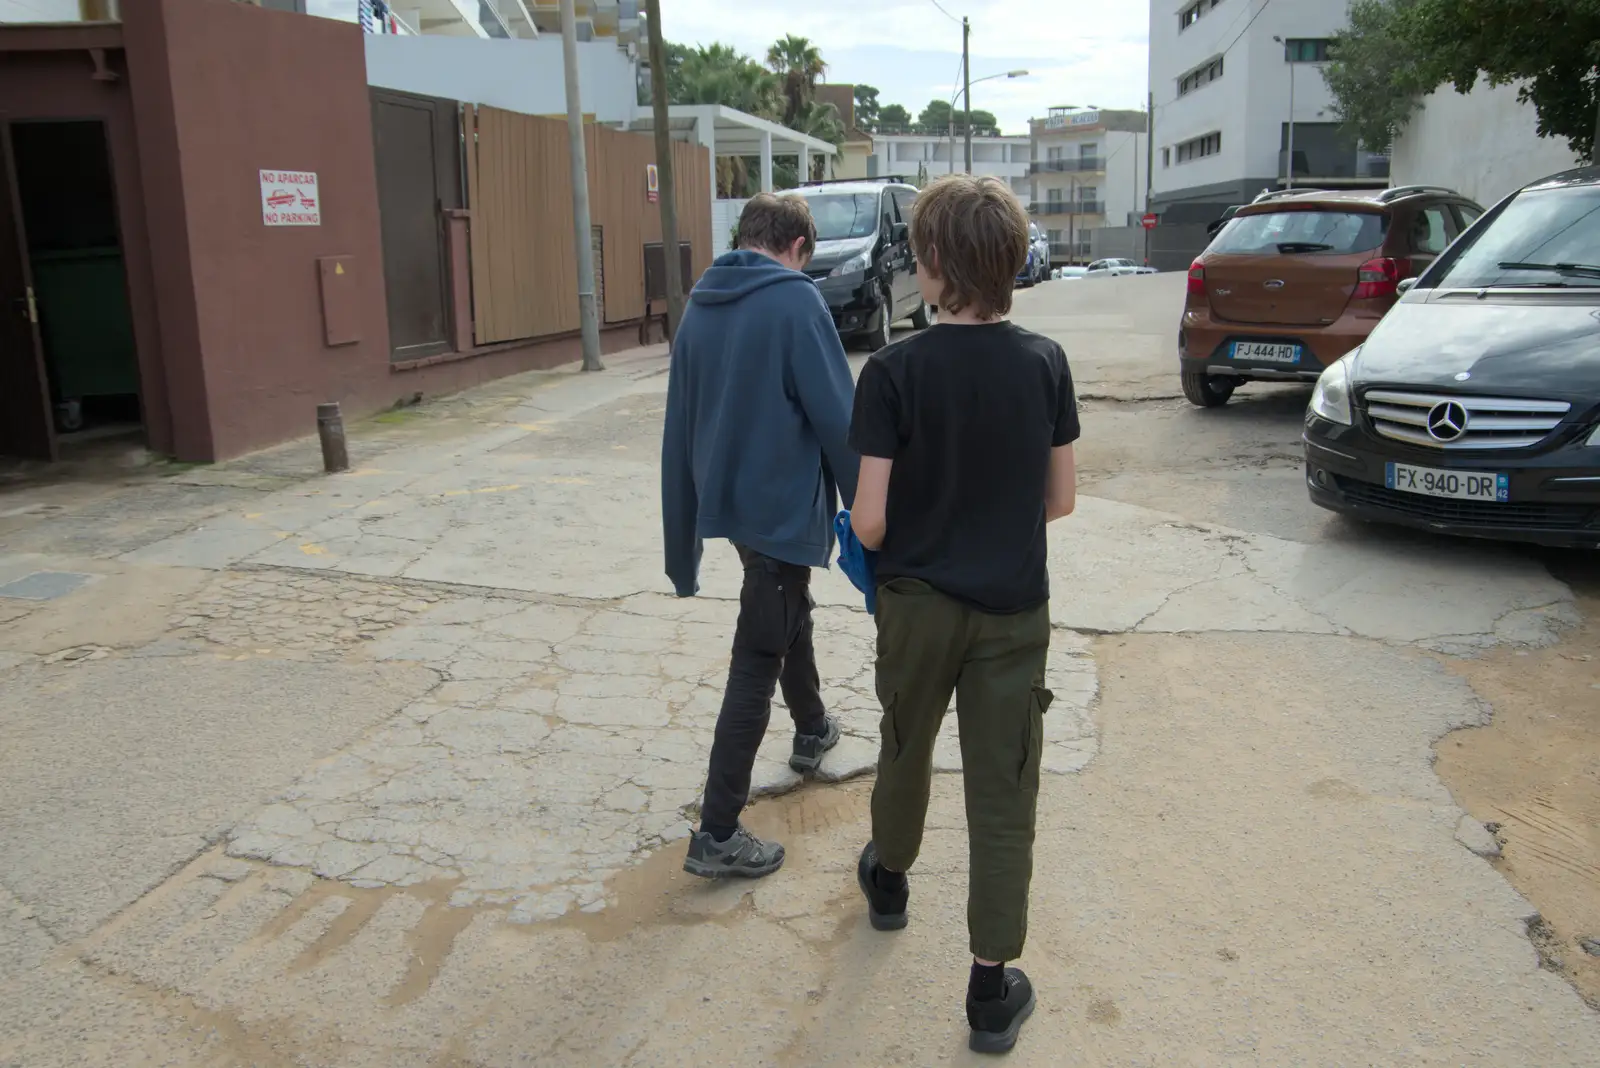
{"x":1468,"y":214}
{"x":1542,"y":226}
{"x":1055,"y":237}
{"x":903,"y":199}
{"x":1166,"y":157}
{"x":1053,"y":152}
{"x":1204,"y":74}
{"x":1053,"y":195}
{"x":1191,"y":14}
{"x":1306,"y":50}
{"x":1089,"y":195}
{"x":1089,"y":150}
{"x":1200,"y":147}
{"x":1302,"y":233}
{"x":1432,"y":231}
{"x":842,"y":215}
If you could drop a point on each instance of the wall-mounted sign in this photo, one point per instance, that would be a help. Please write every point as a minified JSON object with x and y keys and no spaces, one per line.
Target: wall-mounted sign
{"x":289,"y":198}
{"x":652,"y":182}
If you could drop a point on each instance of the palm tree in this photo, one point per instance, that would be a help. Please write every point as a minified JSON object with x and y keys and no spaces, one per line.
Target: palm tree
{"x":801,"y":66}
{"x":823,"y":122}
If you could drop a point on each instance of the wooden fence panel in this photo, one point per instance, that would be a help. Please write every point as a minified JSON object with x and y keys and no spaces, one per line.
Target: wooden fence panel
{"x":523,"y":280}
{"x":523,"y":285}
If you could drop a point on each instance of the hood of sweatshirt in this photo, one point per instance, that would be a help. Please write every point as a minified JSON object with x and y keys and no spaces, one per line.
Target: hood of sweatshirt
{"x":735,"y":275}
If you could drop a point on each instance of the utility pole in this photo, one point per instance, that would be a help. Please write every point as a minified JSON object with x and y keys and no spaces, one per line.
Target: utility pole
{"x":582,"y":230}
{"x":1149,"y":163}
{"x":966,"y":84}
{"x":664,"y":176}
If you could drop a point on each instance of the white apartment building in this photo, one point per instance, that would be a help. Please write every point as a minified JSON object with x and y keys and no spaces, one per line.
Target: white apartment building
{"x":1227,"y":78}
{"x":1087,"y":172}
{"x":911,"y":154}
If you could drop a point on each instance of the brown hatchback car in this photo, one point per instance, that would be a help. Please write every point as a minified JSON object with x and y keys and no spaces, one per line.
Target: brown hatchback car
{"x":1299,"y":278}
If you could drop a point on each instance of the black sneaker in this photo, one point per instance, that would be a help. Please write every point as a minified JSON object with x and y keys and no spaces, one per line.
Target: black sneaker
{"x":743,"y":855}
{"x":885,"y":908}
{"x":995,"y":1023}
{"x":808,"y":748}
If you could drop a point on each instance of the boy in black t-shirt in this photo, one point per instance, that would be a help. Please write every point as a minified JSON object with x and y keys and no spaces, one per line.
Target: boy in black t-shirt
{"x":965,"y":433}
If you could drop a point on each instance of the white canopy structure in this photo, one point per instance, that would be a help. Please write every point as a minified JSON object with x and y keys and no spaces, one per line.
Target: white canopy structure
{"x":727,"y":132}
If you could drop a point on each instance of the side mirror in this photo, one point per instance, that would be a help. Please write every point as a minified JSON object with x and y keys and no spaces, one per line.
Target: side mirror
{"x":899,"y":232}
{"x":1405,"y":285}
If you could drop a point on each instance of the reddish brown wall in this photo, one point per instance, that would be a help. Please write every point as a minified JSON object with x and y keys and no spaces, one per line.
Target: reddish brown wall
{"x":57,"y":85}
{"x":246,"y":89}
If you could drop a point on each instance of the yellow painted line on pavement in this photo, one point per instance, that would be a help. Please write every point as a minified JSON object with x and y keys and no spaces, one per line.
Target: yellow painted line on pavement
{"x":312,"y":549}
{"x":567,"y":481}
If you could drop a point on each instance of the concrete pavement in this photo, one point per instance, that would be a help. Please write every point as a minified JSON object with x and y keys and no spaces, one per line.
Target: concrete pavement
{"x":389,"y":768}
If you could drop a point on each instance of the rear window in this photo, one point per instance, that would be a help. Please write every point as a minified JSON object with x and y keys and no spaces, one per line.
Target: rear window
{"x":1537,"y":232}
{"x":1331,"y":232}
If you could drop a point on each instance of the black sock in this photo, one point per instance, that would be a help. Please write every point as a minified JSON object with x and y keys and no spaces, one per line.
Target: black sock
{"x":718,"y":834}
{"x":884,"y":879}
{"x":988,"y":982}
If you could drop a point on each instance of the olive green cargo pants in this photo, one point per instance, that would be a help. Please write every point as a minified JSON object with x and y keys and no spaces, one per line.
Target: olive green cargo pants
{"x":930,"y":647}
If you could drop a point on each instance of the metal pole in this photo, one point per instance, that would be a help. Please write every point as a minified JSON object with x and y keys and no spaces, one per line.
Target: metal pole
{"x":330,"y":429}
{"x":966,"y":83}
{"x":582,"y":230}
{"x":1289,"y":184}
{"x":664,"y":175}
{"x":1149,"y":164}
{"x":952,"y":138}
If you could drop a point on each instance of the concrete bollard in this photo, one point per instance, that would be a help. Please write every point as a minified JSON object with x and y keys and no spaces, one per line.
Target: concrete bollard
{"x":330,"y":428}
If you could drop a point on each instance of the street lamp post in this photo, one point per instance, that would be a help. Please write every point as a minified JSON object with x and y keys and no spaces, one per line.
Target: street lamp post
{"x":1289,"y":166}
{"x":965,"y":90}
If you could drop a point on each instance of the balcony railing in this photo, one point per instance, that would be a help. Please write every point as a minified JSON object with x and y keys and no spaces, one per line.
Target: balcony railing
{"x":1062,"y":166}
{"x":1067,"y":207}
{"x":1062,"y":250}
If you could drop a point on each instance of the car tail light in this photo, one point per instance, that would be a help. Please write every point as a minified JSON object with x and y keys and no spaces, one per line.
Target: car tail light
{"x":1197,"y":279}
{"x":1380,"y":278}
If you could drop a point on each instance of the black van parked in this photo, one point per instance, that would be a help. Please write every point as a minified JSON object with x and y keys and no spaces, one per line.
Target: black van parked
{"x":863,"y":263}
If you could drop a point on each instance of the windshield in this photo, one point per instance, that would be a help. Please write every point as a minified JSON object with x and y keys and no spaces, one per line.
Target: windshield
{"x":1523,"y":245}
{"x":844,"y":215}
{"x":1271,"y":233}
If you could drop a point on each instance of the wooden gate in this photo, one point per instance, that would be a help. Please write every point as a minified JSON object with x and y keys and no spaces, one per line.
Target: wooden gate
{"x":417,"y":141}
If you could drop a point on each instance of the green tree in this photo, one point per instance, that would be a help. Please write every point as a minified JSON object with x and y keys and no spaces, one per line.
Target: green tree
{"x":936,"y":118}
{"x":821,"y":121}
{"x":1397,"y":51}
{"x":867,"y":108}
{"x":894,"y":117}
{"x":799,"y":63}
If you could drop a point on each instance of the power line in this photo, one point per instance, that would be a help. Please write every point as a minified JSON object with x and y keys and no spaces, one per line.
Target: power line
{"x":942,"y":11}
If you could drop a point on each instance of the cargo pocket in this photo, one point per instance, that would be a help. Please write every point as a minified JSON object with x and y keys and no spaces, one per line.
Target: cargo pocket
{"x":1033,"y":739}
{"x":889,"y":730}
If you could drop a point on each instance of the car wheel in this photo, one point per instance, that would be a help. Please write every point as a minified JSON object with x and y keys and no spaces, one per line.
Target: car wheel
{"x":1204,"y":391}
{"x":881,"y":335}
{"x":922,"y":318}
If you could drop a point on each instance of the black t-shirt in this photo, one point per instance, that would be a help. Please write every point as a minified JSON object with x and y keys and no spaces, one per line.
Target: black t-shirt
{"x":969,"y":415}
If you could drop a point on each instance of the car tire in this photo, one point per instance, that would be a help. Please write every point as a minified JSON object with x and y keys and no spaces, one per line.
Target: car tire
{"x":1204,"y":391}
{"x":922,"y":318}
{"x":882,"y":334}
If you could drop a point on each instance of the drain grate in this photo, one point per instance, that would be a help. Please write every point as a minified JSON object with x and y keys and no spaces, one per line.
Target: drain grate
{"x":44,"y":585}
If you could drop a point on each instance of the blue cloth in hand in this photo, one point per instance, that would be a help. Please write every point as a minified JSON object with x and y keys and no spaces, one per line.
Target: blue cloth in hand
{"x":859,"y":563}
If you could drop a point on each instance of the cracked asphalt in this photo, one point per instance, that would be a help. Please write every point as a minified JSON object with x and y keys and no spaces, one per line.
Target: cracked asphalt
{"x":391,"y":768}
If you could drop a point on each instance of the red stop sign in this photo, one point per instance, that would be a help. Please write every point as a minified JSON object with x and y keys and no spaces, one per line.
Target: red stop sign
{"x":1149,"y":221}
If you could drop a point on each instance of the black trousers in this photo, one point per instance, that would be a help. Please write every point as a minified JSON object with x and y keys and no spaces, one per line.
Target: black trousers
{"x":771,"y":647}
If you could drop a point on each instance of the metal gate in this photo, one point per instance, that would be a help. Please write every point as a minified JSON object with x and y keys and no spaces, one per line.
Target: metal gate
{"x":417,"y":141}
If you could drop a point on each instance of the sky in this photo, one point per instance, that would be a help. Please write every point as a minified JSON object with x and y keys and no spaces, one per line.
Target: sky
{"x":1083,"y":52}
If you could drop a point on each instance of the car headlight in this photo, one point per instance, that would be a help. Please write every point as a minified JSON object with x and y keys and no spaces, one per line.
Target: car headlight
{"x":1331,"y":398}
{"x":859,"y":262}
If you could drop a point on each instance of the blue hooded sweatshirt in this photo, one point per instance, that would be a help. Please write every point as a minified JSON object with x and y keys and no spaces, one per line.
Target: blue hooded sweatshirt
{"x":758,"y":409}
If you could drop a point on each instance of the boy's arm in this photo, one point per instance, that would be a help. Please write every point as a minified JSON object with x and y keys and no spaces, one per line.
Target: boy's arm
{"x":870,"y":516}
{"x":1061,"y":485}
{"x":875,"y":434}
{"x":680,"y":503}
{"x":821,"y":375}
{"x":1061,"y":488}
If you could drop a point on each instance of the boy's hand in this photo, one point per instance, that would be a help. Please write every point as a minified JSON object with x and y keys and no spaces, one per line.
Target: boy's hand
{"x":869,"y":518}
{"x":1061,"y":485}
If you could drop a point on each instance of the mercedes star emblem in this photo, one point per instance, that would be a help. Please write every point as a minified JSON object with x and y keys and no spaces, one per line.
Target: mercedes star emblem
{"x":1447,"y":421}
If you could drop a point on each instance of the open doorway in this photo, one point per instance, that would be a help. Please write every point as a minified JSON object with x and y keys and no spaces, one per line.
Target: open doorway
{"x":73,"y":245}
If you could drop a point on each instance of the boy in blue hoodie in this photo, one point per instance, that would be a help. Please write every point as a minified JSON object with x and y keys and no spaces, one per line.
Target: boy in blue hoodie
{"x":758,"y":411}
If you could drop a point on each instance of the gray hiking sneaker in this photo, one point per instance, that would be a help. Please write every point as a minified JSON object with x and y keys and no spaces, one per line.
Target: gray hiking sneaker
{"x":808,"y":748}
{"x":743,"y":855}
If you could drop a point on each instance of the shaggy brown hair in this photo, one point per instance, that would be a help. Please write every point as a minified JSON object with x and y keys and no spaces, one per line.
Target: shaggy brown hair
{"x":971,"y":234}
{"x":771,"y":224}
